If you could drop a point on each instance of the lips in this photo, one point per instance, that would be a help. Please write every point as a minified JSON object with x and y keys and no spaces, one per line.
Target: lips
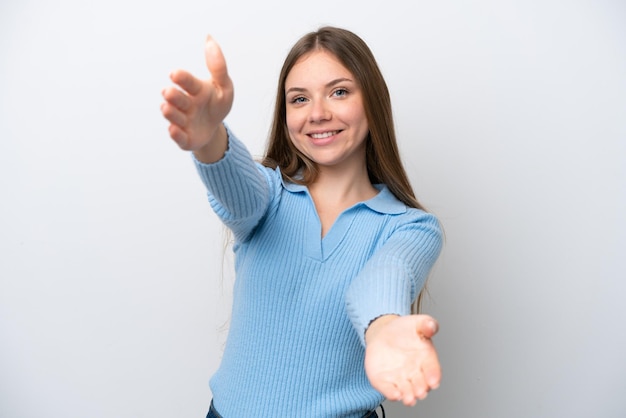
{"x":320,"y":139}
{"x":323,"y":135}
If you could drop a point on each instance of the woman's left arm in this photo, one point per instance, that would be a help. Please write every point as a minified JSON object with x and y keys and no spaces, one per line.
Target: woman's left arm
{"x":400,"y":358}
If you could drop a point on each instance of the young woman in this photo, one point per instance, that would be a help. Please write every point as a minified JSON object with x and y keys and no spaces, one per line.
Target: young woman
{"x":331,"y":246}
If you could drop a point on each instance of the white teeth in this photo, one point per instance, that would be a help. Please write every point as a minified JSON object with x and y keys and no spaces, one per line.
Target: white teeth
{"x":323,"y":135}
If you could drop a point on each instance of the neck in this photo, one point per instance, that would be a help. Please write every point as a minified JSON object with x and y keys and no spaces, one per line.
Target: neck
{"x":334,"y":191}
{"x":342,"y":187}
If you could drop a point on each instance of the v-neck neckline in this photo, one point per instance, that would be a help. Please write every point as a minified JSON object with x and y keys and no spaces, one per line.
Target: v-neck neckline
{"x":322,"y":247}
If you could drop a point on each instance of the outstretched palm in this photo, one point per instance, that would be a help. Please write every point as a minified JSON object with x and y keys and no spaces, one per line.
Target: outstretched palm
{"x":400,"y":358}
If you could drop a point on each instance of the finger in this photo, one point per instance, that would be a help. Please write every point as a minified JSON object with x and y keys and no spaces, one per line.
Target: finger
{"x":173,"y":115}
{"x":179,"y":136}
{"x":427,"y":326}
{"x":431,"y":369}
{"x":432,"y":373}
{"x":408,"y":394}
{"x":419,"y":386}
{"x":389,"y":390}
{"x":177,"y":98}
{"x":186,"y":81}
{"x":215,"y":62}
{"x":382,"y":381}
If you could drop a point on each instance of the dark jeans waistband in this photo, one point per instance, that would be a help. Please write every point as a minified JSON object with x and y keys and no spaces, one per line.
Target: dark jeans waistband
{"x":214,"y":414}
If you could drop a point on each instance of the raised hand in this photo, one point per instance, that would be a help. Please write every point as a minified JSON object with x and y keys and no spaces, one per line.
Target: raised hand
{"x":197,"y":109}
{"x":400,"y":358}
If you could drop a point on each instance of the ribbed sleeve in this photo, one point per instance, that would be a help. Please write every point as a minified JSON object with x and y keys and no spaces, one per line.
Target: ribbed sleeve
{"x":237,"y":189}
{"x":395,"y":274}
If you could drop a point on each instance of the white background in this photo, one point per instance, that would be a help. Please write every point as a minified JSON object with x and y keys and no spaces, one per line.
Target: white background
{"x":512,"y":122}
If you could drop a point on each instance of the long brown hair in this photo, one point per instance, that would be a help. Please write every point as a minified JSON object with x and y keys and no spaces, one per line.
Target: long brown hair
{"x":384,"y":164}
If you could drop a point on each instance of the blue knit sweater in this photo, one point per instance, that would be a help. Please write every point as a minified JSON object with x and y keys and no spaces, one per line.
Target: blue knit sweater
{"x":301,"y":302}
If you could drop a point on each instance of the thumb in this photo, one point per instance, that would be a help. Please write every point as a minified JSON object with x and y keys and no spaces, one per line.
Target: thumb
{"x":215,"y":62}
{"x":427,"y":326}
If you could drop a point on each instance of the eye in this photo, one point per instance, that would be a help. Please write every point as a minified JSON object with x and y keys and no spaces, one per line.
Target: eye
{"x":340,"y":92}
{"x":297,"y":100}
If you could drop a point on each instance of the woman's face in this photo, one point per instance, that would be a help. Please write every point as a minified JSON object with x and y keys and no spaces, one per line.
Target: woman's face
{"x":324,"y":109}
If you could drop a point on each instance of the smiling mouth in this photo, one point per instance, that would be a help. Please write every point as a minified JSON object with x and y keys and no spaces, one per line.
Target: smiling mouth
{"x":322,"y":135}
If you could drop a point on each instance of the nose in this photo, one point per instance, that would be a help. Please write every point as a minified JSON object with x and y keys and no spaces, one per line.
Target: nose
{"x":319,"y":111}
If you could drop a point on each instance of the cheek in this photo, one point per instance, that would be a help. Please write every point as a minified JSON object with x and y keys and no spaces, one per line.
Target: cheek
{"x":293,"y":121}
{"x":360,"y":122}
{"x":356,"y":117}
{"x":292,"y":129}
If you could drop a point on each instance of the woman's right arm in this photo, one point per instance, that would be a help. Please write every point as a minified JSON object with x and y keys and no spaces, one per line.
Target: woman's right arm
{"x":198,"y":107}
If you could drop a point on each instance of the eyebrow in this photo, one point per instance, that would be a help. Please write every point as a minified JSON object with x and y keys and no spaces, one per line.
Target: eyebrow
{"x":327,"y":85}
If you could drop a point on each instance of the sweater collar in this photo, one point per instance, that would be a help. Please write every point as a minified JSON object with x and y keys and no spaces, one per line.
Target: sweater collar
{"x":384,"y":202}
